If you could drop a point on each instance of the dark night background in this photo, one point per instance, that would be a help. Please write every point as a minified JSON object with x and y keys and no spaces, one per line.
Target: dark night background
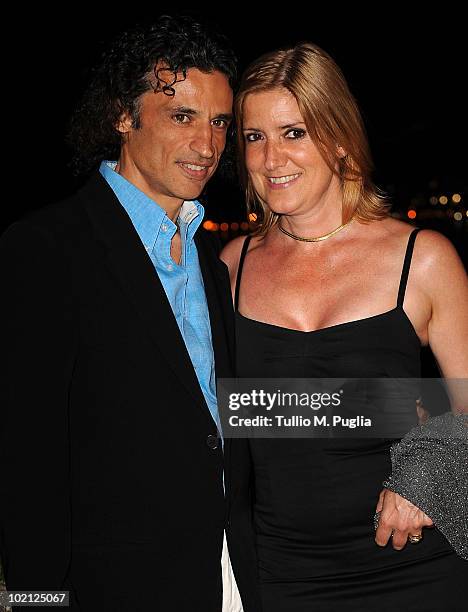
{"x":407,"y":74}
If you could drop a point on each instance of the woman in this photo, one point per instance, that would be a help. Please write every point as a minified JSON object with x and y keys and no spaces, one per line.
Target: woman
{"x":332,"y":286}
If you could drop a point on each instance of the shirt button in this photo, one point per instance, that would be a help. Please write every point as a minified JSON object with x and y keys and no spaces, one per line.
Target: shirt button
{"x":170,"y":267}
{"x":164,"y":227}
{"x":212,"y":442}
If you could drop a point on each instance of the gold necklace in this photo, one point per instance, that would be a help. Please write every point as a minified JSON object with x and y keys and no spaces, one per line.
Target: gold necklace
{"x":319,"y":238}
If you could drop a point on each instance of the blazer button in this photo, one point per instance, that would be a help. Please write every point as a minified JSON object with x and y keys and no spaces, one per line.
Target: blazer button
{"x":212,"y":441}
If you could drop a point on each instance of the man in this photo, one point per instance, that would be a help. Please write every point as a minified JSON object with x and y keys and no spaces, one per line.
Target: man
{"x":119,"y":314}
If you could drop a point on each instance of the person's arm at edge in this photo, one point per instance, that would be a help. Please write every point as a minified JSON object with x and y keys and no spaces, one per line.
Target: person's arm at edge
{"x":442,"y":275}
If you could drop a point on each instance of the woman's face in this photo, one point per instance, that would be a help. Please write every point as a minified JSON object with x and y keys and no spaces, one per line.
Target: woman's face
{"x":286,"y":168}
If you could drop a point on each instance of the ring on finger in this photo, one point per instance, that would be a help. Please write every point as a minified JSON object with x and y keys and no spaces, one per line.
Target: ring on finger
{"x":415,"y":538}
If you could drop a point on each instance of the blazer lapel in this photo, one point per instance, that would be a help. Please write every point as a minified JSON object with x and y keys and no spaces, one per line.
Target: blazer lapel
{"x":130,"y":264}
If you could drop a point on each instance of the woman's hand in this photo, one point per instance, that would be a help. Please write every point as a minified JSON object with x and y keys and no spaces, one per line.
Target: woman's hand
{"x":423,"y":414}
{"x":399,"y":517}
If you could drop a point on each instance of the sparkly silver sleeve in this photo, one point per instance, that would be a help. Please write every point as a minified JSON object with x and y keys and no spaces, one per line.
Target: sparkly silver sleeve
{"x":430,"y":469}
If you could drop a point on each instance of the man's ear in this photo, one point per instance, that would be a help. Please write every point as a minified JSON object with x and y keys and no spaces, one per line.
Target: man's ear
{"x":124,"y":124}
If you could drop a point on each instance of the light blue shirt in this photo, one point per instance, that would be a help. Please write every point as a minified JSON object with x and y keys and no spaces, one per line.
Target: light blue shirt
{"x":183,"y":283}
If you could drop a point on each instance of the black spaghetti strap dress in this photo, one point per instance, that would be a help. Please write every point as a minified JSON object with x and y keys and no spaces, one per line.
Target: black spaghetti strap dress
{"x":314,"y":499}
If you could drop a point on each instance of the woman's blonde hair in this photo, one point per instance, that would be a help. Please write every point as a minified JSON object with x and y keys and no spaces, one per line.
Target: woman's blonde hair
{"x":333,"y":121}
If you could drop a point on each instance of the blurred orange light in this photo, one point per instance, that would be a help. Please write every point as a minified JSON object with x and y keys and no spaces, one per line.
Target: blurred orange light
{"x":234,"y":226}
{"x":208,"y":225}
{"x":244,"y":226}
{"x":458,"y":216}
{"x":456,"y":198}
{"x":252,"y":217}
{"x":443,"y":199}
{"x":215,"y":227}
{"x":224,"y":227}
{"x":412,"y":214}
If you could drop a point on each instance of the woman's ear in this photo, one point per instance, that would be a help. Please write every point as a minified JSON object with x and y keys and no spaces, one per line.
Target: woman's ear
{"x":340,"y":152}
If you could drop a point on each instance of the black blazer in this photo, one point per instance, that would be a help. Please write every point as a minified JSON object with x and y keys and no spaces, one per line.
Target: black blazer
{"x":111,"y":469}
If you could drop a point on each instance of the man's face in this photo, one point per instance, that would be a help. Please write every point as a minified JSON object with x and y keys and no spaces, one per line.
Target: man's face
{"x":176,"y":149}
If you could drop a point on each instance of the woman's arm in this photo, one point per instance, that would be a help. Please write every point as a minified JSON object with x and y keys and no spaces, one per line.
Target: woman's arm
{"x":429,"y":464}
{"x":447,"y":285}
{"x":448,"y":326}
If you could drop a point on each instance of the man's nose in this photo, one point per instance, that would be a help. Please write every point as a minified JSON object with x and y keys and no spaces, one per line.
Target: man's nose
{"x":202,"y":142}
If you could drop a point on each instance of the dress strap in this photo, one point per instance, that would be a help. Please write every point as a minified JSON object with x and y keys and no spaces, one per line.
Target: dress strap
{"x":245,"y":246}
{"x":406,"y":267}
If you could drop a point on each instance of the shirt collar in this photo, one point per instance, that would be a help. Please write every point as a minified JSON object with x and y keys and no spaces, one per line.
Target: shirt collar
{"x":146,"y":215}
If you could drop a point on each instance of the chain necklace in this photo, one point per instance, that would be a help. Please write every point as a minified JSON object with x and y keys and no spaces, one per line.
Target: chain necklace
{"x":318,"y":238}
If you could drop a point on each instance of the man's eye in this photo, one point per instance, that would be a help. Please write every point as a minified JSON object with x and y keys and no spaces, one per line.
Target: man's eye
{"x":221,"y":123}
{"x":295,"y":133}
{"x":181,"y":118}
{"x":252,"y":137}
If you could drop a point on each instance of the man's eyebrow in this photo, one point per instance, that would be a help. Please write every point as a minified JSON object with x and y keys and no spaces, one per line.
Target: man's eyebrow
{"x":186,"y":110}
{"x":225,"y":116}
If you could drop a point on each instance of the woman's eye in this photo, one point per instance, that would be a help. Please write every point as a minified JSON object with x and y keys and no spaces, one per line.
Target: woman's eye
{"x":180,"y":118}
{"x":295,"y":133}
{"x":253,"y":137}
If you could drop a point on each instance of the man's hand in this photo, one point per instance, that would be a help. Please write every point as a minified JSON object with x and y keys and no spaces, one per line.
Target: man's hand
{"x":399,"y":517}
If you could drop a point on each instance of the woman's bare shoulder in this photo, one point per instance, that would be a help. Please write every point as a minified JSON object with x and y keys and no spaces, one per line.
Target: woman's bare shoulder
{"x":435,"y":260}
{"x":232,"y":251}
{"x":429,"y":244}
{"x":434,"y":256}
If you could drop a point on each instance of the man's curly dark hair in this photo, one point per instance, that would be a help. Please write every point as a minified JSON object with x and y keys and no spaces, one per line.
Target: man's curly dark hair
{"x":130,"y":68}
